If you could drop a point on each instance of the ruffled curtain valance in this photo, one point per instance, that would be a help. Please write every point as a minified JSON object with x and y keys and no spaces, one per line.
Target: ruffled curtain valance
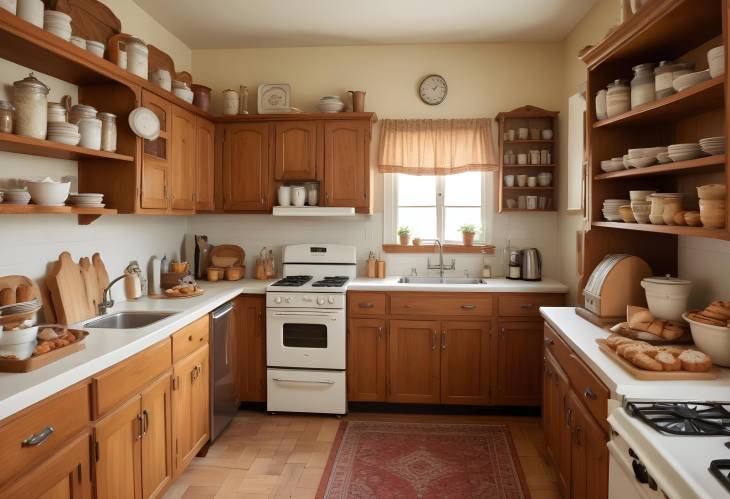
{"x":436,"y":147}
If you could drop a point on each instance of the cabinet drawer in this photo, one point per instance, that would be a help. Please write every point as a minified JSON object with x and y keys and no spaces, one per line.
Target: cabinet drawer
{"x":528,"y":304}
{"x":591,"y":390}
{"x":190,"y":338}
{"x":366,"y":303}
{"x":439,"y":304}
{"x":120,"y":382}
{"x":33,"y":435}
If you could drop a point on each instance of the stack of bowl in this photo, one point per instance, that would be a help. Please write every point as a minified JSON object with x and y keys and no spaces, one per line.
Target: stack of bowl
{"x":612,"y":165}
{"x":611,"y":208}
{"x":716,"y":60}
{"x":684,"y":152}
{"x":713,"y":145}
{"x":56,"y":112}
{"x":643,"y":157}
{"x":63,"y":132}
{"x":57,"y":23}
{"x":86,"y":199}
{"x":712,"y":205}
{"x":48,"y":192}
{"x":16,"y":196}
{"x":96,"y":48}
{"x":331,"y":104}
{"x":640,"y":205}
{"x":626,"y":214}
{"x":685,"y":81}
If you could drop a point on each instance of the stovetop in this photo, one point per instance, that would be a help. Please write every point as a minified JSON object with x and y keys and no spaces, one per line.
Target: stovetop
{"x":331,"y":282}
{"x":293,"y":281}
{"x":683,"y":418}
{"x":310,"y":284}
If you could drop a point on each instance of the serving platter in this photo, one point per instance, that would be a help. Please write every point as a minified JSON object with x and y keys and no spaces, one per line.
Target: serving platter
{"x":37,"y":361}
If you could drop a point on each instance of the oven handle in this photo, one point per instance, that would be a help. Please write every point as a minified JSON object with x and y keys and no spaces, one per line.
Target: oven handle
{"x":304,"y":314}
{"x":322,"y":382}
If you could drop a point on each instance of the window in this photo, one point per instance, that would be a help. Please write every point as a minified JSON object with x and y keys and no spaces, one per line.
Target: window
{"x":434,"y":207}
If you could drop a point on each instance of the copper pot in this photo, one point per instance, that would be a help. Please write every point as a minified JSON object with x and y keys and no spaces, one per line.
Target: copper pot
{"x":201,"y":97}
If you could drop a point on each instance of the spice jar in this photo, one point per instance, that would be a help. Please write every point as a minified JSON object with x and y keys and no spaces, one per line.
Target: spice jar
{"x":617,"y":98}
{"x":108,"y":131}
{"x":31,"y":107}
{"x":231,"y":100}
{"x":6,"y":116}
{"x":137,"y":57}
{"x":642,"y":85}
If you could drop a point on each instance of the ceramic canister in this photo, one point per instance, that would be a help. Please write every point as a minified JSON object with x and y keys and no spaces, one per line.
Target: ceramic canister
{"x":231,"y":102}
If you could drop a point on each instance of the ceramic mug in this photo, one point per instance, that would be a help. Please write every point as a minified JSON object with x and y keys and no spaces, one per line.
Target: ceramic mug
{"x":531,"y":181}
{"x":511,"y":203}
{"x":298,"y":195}
{"x":522,"y":133}
{"x":522,"y":158}
{"x":534,"y":157}
{"x":521,"y":180}
{"x":510,"y":135}
{"x":521,"y":202}
{"x":547,"y":134}
{"x":284,"y":195}
{"x":542,"y":202}
{"x":509,"y":180}
{"x":531,"y":202}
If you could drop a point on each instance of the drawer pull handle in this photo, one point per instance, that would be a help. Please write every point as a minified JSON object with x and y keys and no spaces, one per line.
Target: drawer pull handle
{"x":38,"y":438}
{"x":190,"y":338}
{"x":468,"y":306}
{"x":317,"y":382}
{"x":146,"y":420}
{"x":366,"y":305}
{"x":548,"y":342}
{"x":590,"y":394}
{"x":527,"y":305}
{"x":140,"y":423}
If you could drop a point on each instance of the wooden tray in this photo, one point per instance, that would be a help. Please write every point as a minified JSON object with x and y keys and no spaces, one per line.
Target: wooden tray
{"x":653,"y":375}
{"x":32,"y":363}
{"x":227,"y":250}
{"x":622,"y":329}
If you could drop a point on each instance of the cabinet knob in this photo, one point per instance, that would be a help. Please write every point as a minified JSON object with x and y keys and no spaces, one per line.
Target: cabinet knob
{"x":548,"y":342}
{"x":590,"y":394}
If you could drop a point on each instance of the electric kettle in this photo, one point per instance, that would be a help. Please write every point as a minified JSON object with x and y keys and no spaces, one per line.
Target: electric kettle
{"x":531,"y":264}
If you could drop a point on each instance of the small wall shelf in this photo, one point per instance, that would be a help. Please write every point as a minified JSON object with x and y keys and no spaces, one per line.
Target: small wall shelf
{"x":674,"y":168}
{"x":49,"y":149}
{"x":85,"y":215}
{"x":678,"y":230}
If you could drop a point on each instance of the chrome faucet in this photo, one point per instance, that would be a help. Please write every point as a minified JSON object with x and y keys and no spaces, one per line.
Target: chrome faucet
{"x":106,"y":296}
{"x":440,"y":266}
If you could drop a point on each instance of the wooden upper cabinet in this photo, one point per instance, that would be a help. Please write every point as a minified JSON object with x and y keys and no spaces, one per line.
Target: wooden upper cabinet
{"x":156,"y":437}
{"x":298,"y":150}
{"x":246,"y":165}
{"x":205,"y":158}
{"x":156,"y":156}
{"x":252,"y":354}
{"x":366,"y":356}
{"x":519,"y":363}
{"x":464,"y":362}
{"x":183,"y":174}
{"x":347,"y":163}
{"x":413,"y":361}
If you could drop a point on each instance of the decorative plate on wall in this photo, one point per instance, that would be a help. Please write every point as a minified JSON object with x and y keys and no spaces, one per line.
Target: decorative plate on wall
{"x":274,"y":98}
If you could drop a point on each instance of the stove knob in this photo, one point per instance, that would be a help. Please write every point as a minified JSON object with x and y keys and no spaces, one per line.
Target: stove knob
{"x":330,"y":300}
{"x":320,"y":301}
{"x":277,"y":299}
{"x":287,"y":299}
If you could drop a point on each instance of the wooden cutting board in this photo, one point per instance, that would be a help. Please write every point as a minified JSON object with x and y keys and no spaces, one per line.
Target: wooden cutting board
{"x":227,"y":250}
{"x":653,"y":375}
{"x":91,"y":283}
{"x":68,"y":291}
{"x":102,"y":275}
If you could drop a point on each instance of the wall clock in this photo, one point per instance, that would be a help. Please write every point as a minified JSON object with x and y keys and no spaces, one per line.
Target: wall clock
{"x":433,"y":89}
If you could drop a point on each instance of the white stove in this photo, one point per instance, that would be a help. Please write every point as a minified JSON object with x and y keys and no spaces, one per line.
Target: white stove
{"x":306,"y":331}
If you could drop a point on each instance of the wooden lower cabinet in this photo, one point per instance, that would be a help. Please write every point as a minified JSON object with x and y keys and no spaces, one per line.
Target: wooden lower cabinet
{"x":366,"y":359}
{"x":518,"y":363}
{"x":464,"y":362}
{"x":414,"y":366}
{"x":190,"y":407}
{"x":63,"y":475}
{"x":588,"y":454}
{"x":250,"y":313}
{"x":156,"y":437}
{"x":555,"y":421}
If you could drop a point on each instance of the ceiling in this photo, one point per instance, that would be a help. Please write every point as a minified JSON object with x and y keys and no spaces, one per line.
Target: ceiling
{"x":307,"y":23}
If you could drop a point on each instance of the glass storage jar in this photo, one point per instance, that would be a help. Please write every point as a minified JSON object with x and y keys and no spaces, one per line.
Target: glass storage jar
{"x":642,"y":86}
{"x":6,"y":116}
{"x":617,"y":98}
{"x":31,"y":107}
{"x":108,"y":131}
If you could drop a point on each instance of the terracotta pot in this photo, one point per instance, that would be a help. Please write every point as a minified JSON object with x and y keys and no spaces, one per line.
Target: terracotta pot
{"x":416,"y":241}
{"x":201,"y":97}
{"x":404,"y":239}
{"x":468,"y":238}
{"x":234,"y":273}
{"x":212,"y":274}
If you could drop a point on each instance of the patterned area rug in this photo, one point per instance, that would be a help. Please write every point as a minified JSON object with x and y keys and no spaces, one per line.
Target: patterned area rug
{"x":414,"y":460}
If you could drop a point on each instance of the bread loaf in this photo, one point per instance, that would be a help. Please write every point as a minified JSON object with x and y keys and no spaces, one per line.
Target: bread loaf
{"x":24,"y":293}
{"x":7,"y":296}
{"x":695,"y":361}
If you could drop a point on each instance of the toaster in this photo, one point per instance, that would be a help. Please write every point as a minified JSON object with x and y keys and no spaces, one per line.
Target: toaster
{"x":614,"y":284}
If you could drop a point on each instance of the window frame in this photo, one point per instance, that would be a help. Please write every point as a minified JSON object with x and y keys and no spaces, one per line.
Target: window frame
{"x":390,"y":208}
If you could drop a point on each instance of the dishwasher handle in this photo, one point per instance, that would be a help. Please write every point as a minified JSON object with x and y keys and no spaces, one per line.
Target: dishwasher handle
{"x":221,"y":311}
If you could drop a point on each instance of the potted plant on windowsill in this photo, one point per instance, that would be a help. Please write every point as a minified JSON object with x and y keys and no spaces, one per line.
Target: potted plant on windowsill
{"x":468,"y":231}
{"x":404,"y":233}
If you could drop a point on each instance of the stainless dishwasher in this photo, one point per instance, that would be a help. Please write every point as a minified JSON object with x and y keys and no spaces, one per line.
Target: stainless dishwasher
{"x":223,"y":392}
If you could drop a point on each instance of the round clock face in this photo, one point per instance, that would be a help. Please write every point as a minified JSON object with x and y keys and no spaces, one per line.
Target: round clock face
{"x":432,"y":89}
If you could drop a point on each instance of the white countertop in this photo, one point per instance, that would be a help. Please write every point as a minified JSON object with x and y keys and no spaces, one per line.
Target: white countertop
{"x":493,"y":285}
{"x":106,"y":347}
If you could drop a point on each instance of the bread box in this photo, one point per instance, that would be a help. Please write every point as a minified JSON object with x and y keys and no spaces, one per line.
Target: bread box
{"x":614,"y":284}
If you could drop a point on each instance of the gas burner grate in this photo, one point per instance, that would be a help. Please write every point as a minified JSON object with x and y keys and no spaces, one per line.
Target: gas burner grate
{"x":683,"y":418}
{"x":293,"y":281}
{"x":720,"y":468}
{"x":331,"y":282}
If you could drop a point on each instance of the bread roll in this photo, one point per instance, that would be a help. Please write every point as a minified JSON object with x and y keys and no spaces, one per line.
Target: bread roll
{"x":24,"y":293}
{"x":632,"y":351}
{"x":695,"y":361}
{"x":668,"y":361}
{"x":7,"y":297}
{"x":672,"y":350}
{"x":615,"y":340}
{"x":643,"y":361}
{"x":637,"y":316}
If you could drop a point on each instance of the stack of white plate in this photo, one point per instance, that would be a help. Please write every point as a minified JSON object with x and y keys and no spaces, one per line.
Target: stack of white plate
{"x":684,"y":152}
{"x":86,"y":199}
{"x":645,"y":156}
{"x":331,"y":104}
{"x":713,"y":145}
{"x":716,"y":60}
{"x":663,"y":157}
{"x":63,"y":132}
{"x":610,"y":209}
{"x":57,"y":23}
{"x":16,"y":196}
{"x":685,"y":81}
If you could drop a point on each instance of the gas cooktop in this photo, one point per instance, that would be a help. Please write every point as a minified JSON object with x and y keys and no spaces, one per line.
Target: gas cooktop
{"x":331,"y":282}
{"x":683,"y":418}
{"x":293,"y":281}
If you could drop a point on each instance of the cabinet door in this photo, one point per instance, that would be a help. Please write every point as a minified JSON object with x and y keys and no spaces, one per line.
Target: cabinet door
{"x":118,"y":453}
{"x":156,"y":156}
{"x":246,"y":162}
{"x":63,"y":475}
{"x":190,"y":406}
{"x":205,"y":162}
{"x":298,"y":150}
{"x":519,"y":363}
{"x":183,"y":173}
{"x":413,"y":361}
{"x":366,"y":360}
{"x":555,"y":422}
{"x":464,"y":362}
{"x":156,"y":437}
{"x":589,"y":454}
{"x":347,"y":163}
{"x":252,"y":367}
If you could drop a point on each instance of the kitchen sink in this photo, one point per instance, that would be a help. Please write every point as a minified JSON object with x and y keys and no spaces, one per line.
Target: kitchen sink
{"x":440,"y":280}
{"x":127,"y":320}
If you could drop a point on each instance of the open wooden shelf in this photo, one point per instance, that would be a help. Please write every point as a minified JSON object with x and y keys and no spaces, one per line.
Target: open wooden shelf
{"x":85,"y":215}
{"x":49,"y":149}
{"x":527,"y":188}
{"x":674,"y":168}
{"x":528,"y":141}
{"x":679,"y":230}
{"x":484,"y":249}
{"x":525,"y":210}
{"x":693,"y":100}
{"x":530,"y":165}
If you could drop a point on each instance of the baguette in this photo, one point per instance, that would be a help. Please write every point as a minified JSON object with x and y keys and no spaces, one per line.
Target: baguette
{"x":643,"y":361}
{"x":668,"y":361}
{"x":695,"y":361}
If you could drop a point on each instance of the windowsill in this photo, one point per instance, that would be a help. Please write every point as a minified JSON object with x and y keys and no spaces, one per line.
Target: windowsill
{"x":484,"y":249}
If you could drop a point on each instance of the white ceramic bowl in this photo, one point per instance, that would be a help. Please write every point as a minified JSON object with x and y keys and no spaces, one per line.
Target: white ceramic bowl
{"x":713,"y":340}
{"x":49,"y":193}
{"x":642,"y":162}
{"x":184,"y":93}
{"x":667,"y":297}
{"x":18,"y":337}
{"x":96,"y":48}
{"x":716,"y":60}
{"x":640,"y":195}
{"x":22,"y":351}
{"x":78,"y":41}
{"x":685,"y":81}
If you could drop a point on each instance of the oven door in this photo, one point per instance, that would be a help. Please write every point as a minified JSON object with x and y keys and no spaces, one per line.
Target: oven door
{"x":313,"y":339}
